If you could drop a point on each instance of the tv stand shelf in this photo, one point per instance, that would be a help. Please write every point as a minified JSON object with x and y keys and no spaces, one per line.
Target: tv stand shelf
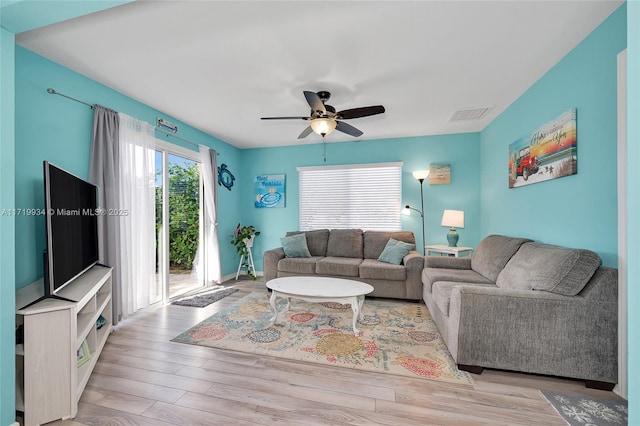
{"x":49,"y":381}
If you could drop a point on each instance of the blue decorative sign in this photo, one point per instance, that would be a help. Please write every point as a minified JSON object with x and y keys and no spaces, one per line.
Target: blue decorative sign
{"x":270,"y":191}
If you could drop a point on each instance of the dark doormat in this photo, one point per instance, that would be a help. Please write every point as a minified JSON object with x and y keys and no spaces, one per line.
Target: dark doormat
{"x":205,"y":298}
{"x":588,"y":410}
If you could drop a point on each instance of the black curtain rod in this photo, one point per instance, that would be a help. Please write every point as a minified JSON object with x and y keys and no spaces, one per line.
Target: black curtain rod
{"x":157,"y":129}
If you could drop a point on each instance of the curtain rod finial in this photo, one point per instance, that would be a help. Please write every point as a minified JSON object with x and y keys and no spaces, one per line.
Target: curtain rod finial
{"x":51,"y":91}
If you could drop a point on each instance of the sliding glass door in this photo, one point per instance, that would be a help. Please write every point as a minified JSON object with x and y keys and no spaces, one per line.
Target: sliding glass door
{"x":179,"y":230}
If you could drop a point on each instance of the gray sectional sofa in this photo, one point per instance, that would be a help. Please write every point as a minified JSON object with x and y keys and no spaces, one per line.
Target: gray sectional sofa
{"x":352,"y":254}
{"x":530,"y":307}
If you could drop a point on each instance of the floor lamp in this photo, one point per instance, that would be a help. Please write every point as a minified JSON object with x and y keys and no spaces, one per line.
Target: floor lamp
{"x":421,"y":175}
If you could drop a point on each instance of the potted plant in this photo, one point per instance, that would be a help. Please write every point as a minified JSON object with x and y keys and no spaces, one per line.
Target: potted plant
{"x":243,"y":241}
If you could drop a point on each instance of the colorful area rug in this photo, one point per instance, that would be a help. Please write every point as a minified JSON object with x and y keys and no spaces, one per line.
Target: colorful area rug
{"x":588,"y":410}
{"x":395,"y":337}
{"x":206,"y":297}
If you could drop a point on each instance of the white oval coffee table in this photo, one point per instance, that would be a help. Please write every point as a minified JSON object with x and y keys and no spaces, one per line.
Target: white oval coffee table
{"x":318,"y":290}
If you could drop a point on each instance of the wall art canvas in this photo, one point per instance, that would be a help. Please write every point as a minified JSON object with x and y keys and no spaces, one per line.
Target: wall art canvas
{"x":270,"y":191}
{"x":548,"y":153}
{"x":440,"y":174}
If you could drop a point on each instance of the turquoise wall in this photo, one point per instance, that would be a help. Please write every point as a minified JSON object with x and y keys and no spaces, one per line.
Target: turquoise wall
{"x":417,"y":153}
{"x":7,"y":230}
{"x":56,"y":129}
{"x":578,"y":210}
{"x":633,"y":207}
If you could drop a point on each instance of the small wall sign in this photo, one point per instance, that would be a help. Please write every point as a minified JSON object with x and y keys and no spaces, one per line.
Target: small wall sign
{"x":270,"y":191}
{"x":439,"y":174}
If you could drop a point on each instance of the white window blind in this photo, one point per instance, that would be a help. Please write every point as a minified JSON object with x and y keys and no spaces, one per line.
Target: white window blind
{"x":364,"y":196}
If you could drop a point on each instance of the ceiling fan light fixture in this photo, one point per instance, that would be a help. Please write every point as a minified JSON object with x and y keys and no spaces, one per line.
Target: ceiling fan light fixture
{"x":323,"y":126}
{"x":324,"y":118}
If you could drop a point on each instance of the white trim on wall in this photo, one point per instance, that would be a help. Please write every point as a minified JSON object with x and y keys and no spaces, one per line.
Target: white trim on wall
{"x":621,"y":388}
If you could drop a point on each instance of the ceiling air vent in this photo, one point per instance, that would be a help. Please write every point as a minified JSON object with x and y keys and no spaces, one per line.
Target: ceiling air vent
{"x":461,"y":114}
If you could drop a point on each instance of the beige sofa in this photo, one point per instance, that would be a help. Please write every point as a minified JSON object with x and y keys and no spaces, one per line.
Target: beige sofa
{"x":525,"y":306}
{"x":352,"y":254}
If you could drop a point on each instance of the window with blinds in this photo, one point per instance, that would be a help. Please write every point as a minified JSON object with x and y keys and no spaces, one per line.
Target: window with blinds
{"x":364,"y":196}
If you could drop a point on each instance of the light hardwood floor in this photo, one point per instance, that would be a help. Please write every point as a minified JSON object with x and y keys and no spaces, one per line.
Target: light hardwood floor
{"x":142,"y":378}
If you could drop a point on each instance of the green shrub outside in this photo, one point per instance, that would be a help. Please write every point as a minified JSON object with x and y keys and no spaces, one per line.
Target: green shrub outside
{"x":184,"y":212}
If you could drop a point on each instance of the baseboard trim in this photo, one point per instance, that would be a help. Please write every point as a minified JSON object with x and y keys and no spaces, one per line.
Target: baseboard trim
{"x":233,"y":276}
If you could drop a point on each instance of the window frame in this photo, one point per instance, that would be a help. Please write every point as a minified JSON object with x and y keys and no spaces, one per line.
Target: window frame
{"x":321,"y":211}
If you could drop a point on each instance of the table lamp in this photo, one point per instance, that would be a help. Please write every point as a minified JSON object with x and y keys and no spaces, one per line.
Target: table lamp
{"x":454,"y":219}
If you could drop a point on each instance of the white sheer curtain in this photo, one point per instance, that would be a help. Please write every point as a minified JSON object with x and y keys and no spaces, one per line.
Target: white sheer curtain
{"x":212,"y":269}
{"x":136,"y":196}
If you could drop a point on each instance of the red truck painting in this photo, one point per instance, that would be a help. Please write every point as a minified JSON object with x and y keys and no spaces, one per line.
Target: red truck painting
{"x":550,"y":152}
{"x":526,"y":165}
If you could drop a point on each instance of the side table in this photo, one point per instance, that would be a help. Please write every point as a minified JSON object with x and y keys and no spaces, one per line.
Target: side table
{"x":443,"y":249}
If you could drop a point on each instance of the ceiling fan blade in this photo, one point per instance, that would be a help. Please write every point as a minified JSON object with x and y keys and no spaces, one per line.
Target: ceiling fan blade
{"x":285,"y":118}
{"x":306,"y":132}
{"x":360,"y":112}
{"x":314,"y":101}
{"x":348,"y":129}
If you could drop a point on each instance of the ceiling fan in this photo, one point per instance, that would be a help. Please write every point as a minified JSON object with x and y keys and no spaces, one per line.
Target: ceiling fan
{"x":324,"y":118}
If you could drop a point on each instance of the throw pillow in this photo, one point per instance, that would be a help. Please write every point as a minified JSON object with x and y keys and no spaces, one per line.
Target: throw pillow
{"x":295,"y":246}
{"x":395,"y":251}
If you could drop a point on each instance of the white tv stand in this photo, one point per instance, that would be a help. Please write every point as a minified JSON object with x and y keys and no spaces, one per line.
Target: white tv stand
{"x":49,"y":381}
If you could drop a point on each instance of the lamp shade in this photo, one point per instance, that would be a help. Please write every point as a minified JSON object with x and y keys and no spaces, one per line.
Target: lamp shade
{"x":323,"y":126}
{"x":421,"y":174}
{"x":406,"y":211}
{"x":453,"y":218}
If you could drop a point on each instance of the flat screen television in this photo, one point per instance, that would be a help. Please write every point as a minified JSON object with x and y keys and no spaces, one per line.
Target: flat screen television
{"x":71,"y":207}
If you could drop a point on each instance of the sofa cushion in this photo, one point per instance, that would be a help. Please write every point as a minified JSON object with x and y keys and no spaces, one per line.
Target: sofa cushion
{"x":376,"y":270}
{"x":375,"y":241}
{"x":316,"y":241}
{"x":493,"y":253}
{"x":345,"y":243}
{"x":298,"y":265}
{"x":442,"y":293}
{"x":432,"y":275}
{"x":295,"y":246}
{"x":547,"y":267}
{"x":340,"y":266}
{"x":395,"y":251}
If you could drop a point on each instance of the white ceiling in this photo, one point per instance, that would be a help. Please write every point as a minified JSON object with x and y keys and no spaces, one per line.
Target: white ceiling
{"x":221,"y":65}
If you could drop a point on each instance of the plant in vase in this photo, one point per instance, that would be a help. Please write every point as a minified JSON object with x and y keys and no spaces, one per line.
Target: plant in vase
{"x":243,"y":241}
